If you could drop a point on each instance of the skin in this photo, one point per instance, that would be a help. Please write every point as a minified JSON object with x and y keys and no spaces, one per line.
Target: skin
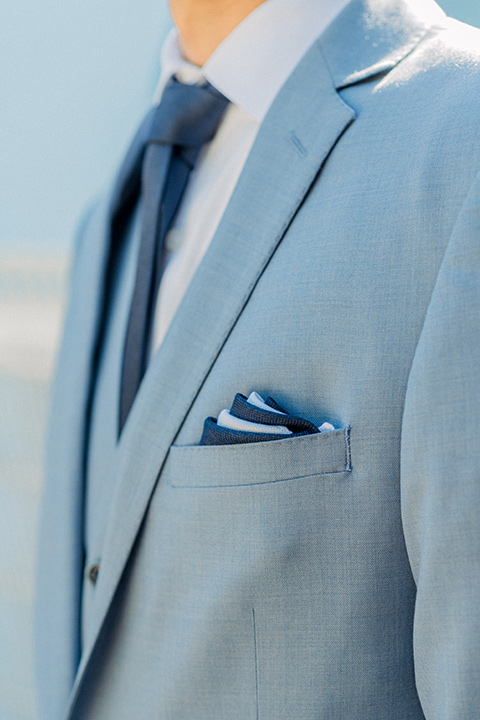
{"x":203,"y":24}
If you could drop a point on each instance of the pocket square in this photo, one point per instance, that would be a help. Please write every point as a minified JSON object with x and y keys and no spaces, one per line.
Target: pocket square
{"x":254,"y":419}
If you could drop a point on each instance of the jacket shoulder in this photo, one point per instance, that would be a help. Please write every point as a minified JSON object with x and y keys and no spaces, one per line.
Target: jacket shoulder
{"x":453,"y":48}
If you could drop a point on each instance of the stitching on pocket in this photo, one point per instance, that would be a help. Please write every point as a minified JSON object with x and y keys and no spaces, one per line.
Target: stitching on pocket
{"x":260,"y":482}
{"x":348,"y":451}
{"x":256,"y":661}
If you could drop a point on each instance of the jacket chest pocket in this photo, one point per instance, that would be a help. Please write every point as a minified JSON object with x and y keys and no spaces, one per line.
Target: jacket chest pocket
{"x":216,"y":466}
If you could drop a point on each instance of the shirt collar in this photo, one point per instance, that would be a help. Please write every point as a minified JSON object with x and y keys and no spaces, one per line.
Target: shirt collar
{"x":250,"y":66}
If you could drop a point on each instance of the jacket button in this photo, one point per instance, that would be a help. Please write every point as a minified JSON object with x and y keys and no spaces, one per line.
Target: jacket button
{"x":92,"y":572}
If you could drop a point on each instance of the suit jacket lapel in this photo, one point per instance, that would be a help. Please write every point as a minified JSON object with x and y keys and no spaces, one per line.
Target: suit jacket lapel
{"x":303,"y":125}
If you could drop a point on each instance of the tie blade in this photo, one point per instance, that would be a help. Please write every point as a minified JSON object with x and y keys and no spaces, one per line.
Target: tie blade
{"x":186,"y":118}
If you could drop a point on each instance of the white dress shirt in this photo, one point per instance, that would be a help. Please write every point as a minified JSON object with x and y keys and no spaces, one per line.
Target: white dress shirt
{"x":249,"y":67}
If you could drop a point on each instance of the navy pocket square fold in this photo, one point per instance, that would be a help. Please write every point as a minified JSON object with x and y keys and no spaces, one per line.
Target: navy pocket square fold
{"x":254,"y":419}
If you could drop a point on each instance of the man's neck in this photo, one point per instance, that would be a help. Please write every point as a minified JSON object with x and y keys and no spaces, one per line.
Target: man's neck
{"x":204,"y":24}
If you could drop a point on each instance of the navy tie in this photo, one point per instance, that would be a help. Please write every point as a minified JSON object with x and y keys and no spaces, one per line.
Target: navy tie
{"x":157,"y":166}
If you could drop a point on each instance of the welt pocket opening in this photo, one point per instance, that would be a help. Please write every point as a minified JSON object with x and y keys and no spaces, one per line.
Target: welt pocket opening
{"x":213,"y":466}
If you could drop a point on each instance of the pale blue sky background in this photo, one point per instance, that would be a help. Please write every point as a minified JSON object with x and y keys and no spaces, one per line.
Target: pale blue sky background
{"x":75,"y":80}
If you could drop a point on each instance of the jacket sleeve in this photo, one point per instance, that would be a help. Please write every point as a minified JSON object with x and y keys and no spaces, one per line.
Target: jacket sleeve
{"x":440,"y":480}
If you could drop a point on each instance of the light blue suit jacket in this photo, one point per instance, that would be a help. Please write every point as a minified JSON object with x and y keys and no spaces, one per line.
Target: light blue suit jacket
{"x":325,"y":577}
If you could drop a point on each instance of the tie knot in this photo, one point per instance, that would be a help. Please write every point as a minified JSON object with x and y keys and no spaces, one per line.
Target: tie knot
{"x":188,"y":115}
